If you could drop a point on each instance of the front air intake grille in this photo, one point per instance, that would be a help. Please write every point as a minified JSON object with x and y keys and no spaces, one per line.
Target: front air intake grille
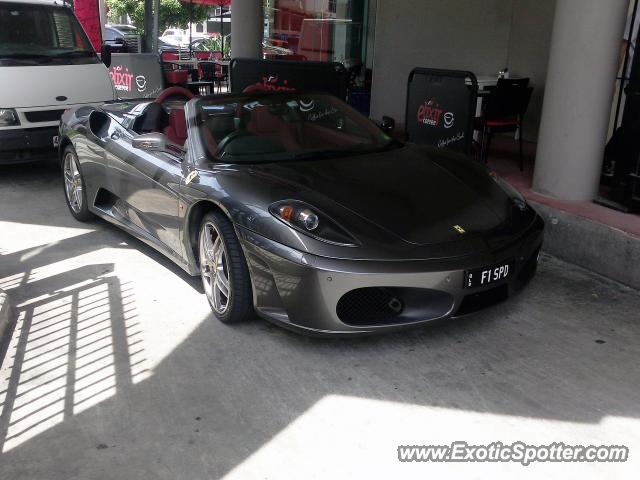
{"x":369,"y":306}
{"x":44,"y":115}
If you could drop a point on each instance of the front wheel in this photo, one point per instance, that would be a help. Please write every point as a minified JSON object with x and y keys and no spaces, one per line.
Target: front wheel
{"x":224,"y":271}
{"x":74,"y":186}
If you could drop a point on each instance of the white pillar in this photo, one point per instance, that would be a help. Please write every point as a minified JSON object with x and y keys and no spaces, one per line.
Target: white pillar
{"x":246,"y":28}
{"x":102,"y":10}
{"x":583,"y":62}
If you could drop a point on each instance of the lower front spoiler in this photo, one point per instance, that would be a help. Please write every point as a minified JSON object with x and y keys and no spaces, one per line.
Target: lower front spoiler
{"x":318,"y":295}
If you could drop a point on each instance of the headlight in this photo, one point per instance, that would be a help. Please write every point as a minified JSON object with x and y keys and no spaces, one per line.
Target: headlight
{"x":310,"y":221}
{"x":510,"y":190}
{"x":8,"y":117}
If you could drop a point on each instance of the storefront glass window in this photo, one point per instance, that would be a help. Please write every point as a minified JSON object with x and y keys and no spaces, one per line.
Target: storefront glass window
{"x":317,"y":30}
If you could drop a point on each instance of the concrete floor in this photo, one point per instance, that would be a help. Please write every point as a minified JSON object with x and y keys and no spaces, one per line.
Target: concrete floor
{"x":115,"y":369}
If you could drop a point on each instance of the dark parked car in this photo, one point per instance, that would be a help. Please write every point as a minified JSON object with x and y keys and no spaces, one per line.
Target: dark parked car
{"x":115,"y":39}
{"x":296,"y":207}
{"x":123,"y":38}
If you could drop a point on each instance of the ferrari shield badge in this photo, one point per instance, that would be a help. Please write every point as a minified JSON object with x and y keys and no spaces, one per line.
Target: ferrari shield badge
{"x":191,"y":177}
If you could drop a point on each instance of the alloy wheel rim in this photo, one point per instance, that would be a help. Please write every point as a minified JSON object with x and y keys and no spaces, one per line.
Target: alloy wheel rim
{"x":73,"y":182}
{"x":214,"y":268}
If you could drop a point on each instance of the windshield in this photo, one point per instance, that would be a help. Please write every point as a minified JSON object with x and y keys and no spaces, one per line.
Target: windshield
{"x":285,"y":126}
{"x":41,"y":34}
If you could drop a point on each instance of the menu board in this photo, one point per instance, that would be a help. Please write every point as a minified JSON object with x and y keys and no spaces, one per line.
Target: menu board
{"x":441,"y":108}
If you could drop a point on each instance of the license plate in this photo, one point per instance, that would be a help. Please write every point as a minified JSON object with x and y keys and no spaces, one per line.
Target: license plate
{"x":55,"y":141}
{"x":488,"y":275}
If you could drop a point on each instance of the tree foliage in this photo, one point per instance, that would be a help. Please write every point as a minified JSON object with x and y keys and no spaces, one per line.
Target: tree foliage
{"x":173,"y":13}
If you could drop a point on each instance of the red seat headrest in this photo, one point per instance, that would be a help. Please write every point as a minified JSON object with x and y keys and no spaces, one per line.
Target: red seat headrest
{"x":263,"y":122}
{"x":177,"y":129}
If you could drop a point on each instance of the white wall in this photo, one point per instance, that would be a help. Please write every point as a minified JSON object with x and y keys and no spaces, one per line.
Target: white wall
{"x":528,"y":55}
{"x":482,"y":36}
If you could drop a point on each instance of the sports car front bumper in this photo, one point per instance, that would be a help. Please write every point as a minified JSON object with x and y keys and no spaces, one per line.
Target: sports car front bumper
{"x":332,"y":296}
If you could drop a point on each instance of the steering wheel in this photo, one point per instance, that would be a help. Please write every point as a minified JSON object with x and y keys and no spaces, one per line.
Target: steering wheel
{"x":224,"y":143}
{"x":173,"y":92}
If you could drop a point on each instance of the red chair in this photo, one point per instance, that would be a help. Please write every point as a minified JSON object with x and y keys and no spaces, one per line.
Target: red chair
{"x":176,"y":77}
{"x":174,"y":74}
{"x":169,"y":56}
{"x":214,"y":72}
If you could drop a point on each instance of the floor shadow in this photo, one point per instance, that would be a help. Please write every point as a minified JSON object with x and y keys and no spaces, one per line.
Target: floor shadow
{"x":80,"y":400}
{"x":225,"y":392}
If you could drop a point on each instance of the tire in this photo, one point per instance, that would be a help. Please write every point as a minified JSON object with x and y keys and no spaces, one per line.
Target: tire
{"x":75,"y":192}
{"x":218,"y":246}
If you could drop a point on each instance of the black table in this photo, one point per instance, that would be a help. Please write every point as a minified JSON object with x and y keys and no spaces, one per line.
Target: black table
{"x":200,"y":87}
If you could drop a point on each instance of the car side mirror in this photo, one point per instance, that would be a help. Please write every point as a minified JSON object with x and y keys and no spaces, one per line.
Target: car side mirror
{"x":157,"y":142}
{"x":105,"y":54}
{"x":388,"y":124}
{"x":150,"y":142}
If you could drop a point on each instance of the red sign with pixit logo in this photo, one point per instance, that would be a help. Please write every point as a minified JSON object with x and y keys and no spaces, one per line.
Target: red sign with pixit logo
{"x":429,"y":113}
{"x":122,"y":79}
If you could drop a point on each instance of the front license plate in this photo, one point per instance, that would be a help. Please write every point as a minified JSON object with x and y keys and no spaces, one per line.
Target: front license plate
{"x":487,"y":276}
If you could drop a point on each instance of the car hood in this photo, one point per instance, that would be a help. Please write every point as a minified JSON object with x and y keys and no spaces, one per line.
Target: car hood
{"x":418,"y":195}
{"x":38,"y":86}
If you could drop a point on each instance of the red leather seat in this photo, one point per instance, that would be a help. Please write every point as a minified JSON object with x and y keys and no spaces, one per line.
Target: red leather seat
{"x":265,"y":124}
{"x":176,"y":131}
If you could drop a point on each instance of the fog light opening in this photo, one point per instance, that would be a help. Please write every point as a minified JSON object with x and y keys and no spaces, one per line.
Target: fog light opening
{"x":395,"y":305}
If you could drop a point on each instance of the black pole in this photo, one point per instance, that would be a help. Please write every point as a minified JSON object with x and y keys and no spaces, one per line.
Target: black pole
{"x":148,"y":26}
{"x":221,"y":32}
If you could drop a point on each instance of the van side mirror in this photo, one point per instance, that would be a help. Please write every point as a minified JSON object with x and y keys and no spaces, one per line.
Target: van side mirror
{"x":388,"y":124}
{"x":105,"y":54}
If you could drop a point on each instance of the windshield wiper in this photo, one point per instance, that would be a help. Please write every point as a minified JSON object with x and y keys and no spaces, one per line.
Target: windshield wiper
{"x":21,"y":56}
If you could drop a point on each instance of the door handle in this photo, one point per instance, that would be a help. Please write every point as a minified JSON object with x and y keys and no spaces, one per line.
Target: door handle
{"x":115,"y":136}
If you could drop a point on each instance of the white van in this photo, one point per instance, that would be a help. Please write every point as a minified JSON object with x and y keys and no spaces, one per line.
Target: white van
{"x":47,"y":65}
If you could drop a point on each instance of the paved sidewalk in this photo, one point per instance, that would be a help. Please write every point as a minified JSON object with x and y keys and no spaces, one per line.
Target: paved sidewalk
{"x":115,"y":369}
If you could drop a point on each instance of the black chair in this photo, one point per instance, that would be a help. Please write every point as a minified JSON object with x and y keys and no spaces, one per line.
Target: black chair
{"x":505,"y":108}
{"x":215,"y":72}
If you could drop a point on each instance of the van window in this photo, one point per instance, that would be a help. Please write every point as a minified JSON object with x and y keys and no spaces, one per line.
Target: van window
{"x":42,"y":34}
